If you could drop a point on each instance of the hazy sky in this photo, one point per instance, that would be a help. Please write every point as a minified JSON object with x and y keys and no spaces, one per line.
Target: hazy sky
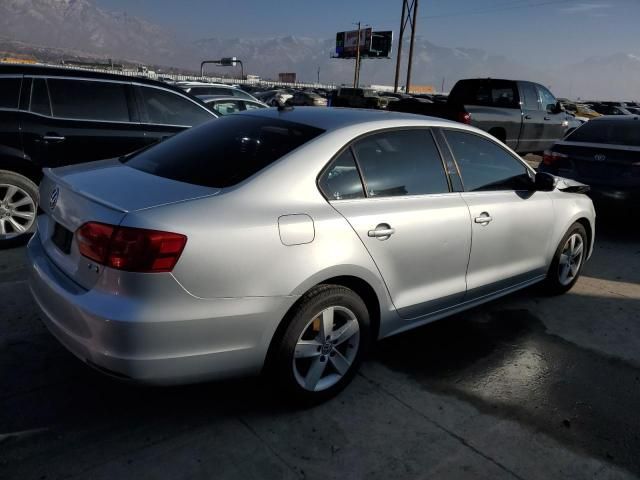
{"x":539,"y":32}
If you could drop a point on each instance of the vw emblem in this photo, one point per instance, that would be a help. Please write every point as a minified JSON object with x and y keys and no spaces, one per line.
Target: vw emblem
{"x":600,"y":157}
{"x":53,"y":199}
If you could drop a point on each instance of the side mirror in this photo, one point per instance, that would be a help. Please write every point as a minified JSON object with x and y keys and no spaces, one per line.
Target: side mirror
{"x":545,"y":182}
{"x":555,"y":108}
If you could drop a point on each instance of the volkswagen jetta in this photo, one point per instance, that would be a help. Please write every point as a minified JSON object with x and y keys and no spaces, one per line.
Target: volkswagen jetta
{"x":286,"y":241}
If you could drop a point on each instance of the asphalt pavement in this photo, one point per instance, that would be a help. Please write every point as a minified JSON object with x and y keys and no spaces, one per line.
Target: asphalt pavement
{"x":526,"y":387}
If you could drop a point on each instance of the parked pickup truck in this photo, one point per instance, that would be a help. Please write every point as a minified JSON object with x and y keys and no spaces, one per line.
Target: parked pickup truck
{"x":524,"y":115}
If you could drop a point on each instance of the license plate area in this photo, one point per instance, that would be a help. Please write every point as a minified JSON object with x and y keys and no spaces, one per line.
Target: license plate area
{"x":62,"y":238}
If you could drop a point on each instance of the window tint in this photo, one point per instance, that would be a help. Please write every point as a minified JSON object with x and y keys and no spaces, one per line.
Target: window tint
{"x":492,"y":93}
{"x":530,"y":96}
{"x":225,"y":107}
{"x":252,"y":106}
{"x":167,"y":108}
{"x":341,"y":181}
{"x":240,"y":93}
{"x":89,"y":100}
{"x":610,"y":132}
{"x":403,"y":162}
{"x":484,"y":165}
{"x":225,"y":152}
{"x":546,"y":97}
{"x":40,"y":97}
{"x":9,"y":92}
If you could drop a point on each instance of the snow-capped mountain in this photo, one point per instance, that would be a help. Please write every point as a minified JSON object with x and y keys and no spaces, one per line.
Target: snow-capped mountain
{"x":79,"y":26}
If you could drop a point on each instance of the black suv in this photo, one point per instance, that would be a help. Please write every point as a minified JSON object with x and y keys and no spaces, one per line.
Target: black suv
{"x":50,"y":117}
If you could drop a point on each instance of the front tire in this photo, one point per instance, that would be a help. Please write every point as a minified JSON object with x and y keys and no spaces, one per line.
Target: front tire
{"x":18,"y":208}
{"x":568,"y":261}
{"x":323,"y":344}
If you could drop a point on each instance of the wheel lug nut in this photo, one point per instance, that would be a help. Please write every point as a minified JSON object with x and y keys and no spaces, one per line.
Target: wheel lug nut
{"x":323,"y":358}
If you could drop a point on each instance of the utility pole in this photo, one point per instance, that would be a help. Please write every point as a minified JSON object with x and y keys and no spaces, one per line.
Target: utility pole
{"x":409,"y":14}
{"x":356,"y":73}
{"x":318,"y":74}
{"x":413,"y":37}
{"x":399,"y":57}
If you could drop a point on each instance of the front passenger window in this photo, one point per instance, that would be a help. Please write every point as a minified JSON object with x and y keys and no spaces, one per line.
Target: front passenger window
{"x":484,"y":165}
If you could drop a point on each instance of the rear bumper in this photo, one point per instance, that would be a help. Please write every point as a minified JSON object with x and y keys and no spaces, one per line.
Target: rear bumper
{"x":181,"y":340}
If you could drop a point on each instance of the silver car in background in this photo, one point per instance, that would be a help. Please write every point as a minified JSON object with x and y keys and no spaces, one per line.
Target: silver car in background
{"x":286,"y":241}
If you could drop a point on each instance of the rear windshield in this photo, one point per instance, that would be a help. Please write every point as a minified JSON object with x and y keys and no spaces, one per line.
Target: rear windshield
{"x":223,"y":152}
{"x":612,"y":132}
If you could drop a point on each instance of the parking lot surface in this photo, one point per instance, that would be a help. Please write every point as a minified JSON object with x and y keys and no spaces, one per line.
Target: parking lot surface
{"x":526,"y":387}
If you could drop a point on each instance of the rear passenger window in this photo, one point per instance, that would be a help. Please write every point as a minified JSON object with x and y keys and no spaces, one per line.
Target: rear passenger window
{"x":9,"y":92}
{"x":40,"y":97}
{"x":401,"y":162}
{"x":484,"y":165}
{"x":89,"y":100}
{"x":341,"y":181}
{"x":167,"y":108}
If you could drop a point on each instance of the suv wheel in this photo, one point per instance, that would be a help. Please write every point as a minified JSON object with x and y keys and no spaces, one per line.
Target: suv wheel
{"x":18,"y":207}
{"x":323,"y":344}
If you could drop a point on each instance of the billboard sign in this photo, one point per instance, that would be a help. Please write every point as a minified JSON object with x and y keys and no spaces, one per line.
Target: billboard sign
{"x":381,"y":43}
{"x":372,"y":44}
{"x":347,"y":43}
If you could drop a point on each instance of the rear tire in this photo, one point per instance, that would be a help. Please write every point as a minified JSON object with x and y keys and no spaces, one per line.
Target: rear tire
{"x":319,"y":353}
{"x":567,"y":261}
{"x":18,"y":208}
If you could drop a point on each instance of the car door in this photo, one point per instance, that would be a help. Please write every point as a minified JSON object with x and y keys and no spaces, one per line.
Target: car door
{"x":416,"y":230}
{"x":10,"y":141}
{"x":165,"y":112}
{"x":533,"y":123}
{"x":554,"y":119}
{"x":511,"y":223}
{"x":78,"y":120}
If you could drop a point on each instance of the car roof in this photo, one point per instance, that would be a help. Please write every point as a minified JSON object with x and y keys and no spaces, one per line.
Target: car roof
{"x":205,"y":84}
{"x":8,"y":69}
{"x":223,"y":98}
{"x":333,"y":118}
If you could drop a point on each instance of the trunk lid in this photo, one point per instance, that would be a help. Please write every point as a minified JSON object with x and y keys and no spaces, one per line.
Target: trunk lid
{"x":103,"y":192}
{"x":601,"y":164}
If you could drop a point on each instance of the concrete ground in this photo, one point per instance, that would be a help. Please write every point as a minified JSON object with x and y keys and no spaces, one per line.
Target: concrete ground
{"x":527,"y":387}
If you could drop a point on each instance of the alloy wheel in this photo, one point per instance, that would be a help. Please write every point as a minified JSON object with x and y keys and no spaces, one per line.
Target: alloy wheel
{"x":326,"y":349}
{"x":571,"y":259}
{"x":17,"y":211}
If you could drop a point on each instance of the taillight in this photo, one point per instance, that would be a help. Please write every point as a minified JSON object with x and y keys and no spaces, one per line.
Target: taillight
{"x":130,"y":249}
{"x":464,"y":117}
{"x":551,"y":158}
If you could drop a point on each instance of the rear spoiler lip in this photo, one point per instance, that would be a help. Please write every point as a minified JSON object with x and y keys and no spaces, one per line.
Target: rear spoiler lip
{"x":51,"y":175}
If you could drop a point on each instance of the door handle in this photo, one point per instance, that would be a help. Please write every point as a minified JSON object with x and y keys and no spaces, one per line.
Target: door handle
{"x":53,"y":138}
{"x":547,"y":118}
{"x":483,"y":219}
{"x":382,"y":232}
{"x":527,"y":117}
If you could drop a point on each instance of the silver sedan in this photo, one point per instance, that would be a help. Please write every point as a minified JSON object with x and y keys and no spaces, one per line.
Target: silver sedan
{"x":287,"y":241}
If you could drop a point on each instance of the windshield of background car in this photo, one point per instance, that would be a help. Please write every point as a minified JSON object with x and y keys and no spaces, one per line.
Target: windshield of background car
{"x":610,"y":132}
{"x":224,"y":152}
